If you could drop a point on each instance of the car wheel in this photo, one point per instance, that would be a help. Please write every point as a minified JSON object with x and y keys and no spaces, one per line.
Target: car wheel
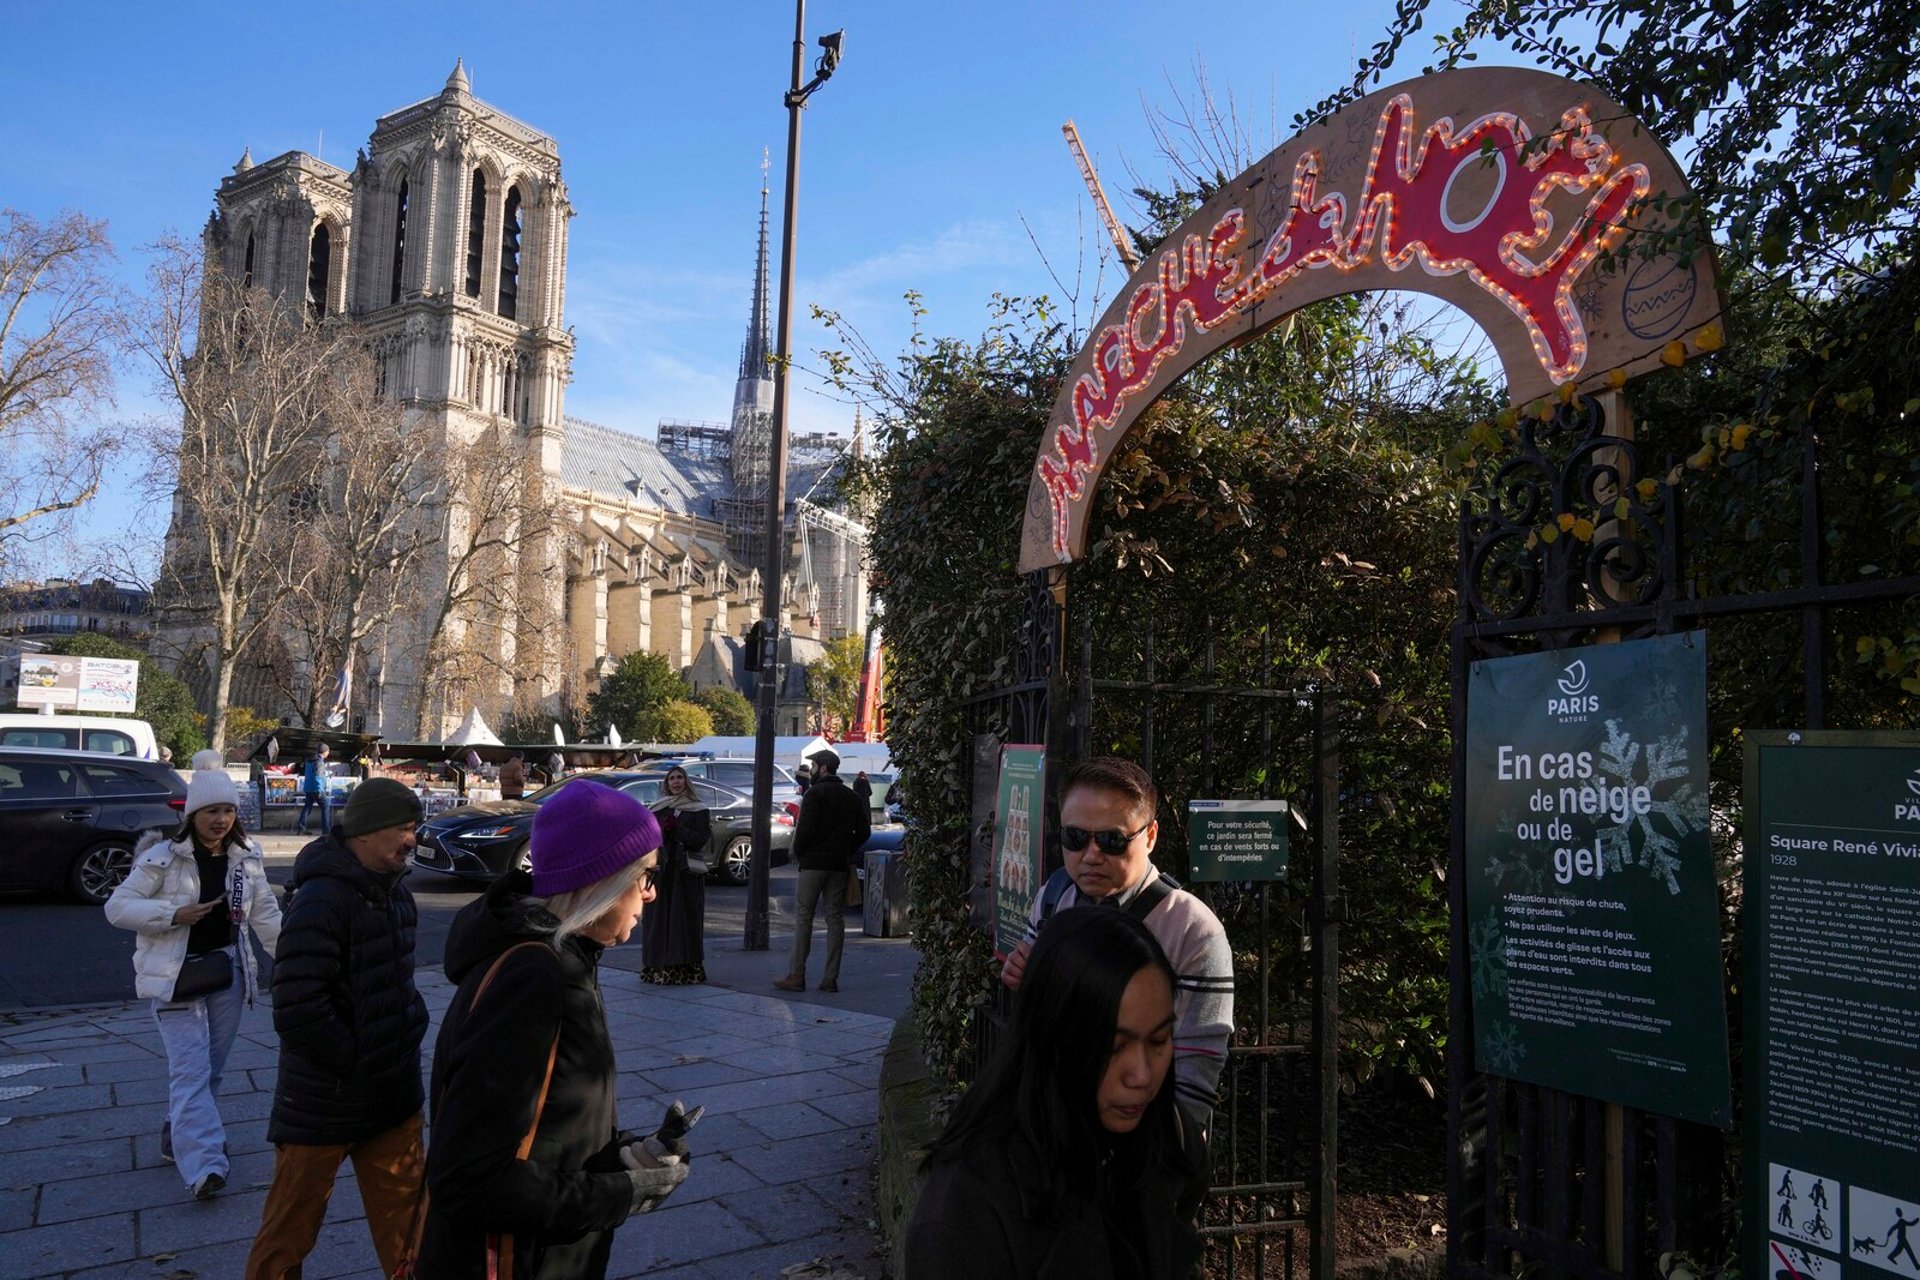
{"x":738,"y":859}
{"x":523,"y":860}
{"x":99,"y":871}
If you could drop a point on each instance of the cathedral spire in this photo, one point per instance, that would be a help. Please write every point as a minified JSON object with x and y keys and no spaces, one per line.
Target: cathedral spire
{"x":753,"y":355}
{"x":457,"y":82}
{"x":753,"y":393}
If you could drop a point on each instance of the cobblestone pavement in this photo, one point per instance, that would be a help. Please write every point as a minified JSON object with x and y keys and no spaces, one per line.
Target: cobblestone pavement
{"x":781,"y":1185}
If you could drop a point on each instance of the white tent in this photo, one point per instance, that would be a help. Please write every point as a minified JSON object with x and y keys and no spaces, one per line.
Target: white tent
{"x":473,"y":731}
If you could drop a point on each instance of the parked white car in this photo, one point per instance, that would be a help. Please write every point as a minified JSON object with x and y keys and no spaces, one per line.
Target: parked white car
{"x":109,"y":734}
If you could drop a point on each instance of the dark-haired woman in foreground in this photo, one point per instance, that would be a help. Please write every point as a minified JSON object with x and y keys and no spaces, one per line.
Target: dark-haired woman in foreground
{"x":1064,"y":1159}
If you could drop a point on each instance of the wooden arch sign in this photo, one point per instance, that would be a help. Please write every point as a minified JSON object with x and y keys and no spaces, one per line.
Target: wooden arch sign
{"x":1494,"y":188}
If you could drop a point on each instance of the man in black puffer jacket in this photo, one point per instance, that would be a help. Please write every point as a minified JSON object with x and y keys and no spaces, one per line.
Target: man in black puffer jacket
{"x":834,"y":824}
{"x":350,"y":1025}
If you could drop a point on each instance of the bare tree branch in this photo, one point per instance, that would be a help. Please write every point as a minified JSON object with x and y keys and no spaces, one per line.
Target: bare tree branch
{"x":257,"y":388}
{"x":60,"y":328}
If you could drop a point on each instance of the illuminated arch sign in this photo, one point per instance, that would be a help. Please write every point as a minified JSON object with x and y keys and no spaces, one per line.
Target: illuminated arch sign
{"x":1493,"y":188}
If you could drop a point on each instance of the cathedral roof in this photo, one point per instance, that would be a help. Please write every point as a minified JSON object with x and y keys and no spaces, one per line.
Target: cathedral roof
{"x":633,"y":468}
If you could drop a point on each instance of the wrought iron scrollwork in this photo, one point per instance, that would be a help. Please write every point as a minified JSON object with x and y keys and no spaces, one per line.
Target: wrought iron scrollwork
{"x":1563,"y":525}
{"x":1036,"y":658}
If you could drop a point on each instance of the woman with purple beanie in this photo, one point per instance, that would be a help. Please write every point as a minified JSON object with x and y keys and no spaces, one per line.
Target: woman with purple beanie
{"x":528,"y":1171}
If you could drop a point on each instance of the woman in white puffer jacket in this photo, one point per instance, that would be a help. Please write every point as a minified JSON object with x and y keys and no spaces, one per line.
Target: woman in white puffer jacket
{"x":202,"y":892}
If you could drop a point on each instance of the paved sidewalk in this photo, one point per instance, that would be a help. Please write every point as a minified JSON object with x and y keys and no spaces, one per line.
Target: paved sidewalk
{"x":782,"y":1173}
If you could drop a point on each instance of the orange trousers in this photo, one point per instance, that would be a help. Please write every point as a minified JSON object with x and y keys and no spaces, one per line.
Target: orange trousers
{"x":391,"y":1169}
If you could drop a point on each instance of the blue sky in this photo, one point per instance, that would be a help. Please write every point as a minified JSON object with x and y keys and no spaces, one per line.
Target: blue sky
{"x":940,"y":133}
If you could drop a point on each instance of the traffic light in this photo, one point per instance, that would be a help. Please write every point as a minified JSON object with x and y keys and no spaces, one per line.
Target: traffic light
{"x":756,"y":644}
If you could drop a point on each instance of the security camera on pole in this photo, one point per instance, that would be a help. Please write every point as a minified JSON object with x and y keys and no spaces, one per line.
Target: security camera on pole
{"x":767,"y":635}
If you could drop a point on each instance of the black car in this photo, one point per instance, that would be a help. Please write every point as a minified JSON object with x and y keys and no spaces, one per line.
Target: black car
{"x":483,"y":841}
{"x":70,"y":819}
{"x":730,"y":850}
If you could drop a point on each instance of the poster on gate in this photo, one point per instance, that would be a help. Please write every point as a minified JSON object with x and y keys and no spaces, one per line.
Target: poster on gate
{"x":1019,"y":819}
{"x":1831,"y":1001}
{"x":1592,"y":894}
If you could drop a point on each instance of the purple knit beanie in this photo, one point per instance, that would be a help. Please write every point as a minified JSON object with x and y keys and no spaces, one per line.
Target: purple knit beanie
{"x":585,"y":833}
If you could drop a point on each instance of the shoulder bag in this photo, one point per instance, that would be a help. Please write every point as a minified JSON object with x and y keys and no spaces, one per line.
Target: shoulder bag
{"x":203,"y":975}
{"x":499,"y":1247}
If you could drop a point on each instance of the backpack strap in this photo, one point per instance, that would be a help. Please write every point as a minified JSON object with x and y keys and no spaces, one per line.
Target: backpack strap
{"x":411,"y":1258}
{"x":1151,"y":895}
{"x":1051,"y":892}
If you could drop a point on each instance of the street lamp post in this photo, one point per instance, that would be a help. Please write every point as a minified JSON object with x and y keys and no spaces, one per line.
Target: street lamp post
{"x":756,"y":932}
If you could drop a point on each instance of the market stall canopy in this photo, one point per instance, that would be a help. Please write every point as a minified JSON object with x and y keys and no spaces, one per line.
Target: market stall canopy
{"x":473,"y":731}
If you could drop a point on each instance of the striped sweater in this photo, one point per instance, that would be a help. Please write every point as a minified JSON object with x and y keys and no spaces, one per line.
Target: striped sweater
{"x":1196,"y":945}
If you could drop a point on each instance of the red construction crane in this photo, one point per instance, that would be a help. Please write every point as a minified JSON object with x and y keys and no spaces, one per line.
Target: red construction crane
{"x":870,"y":720}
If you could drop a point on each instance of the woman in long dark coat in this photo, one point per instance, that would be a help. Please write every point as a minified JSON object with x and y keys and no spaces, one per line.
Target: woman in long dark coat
{"x":674,"y":931}
{"x":529,"y":1173}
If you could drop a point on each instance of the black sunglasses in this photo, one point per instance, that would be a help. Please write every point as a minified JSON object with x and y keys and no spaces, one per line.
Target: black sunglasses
{"x":649,"y":877}
{"x":1074,"y":839}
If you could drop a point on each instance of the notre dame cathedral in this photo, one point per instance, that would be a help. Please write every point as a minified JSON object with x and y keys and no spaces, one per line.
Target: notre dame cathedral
{"x":446,"y":245}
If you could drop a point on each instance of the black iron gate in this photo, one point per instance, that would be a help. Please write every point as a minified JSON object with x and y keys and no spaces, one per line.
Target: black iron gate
{"x":1213,"y":725}
{"x":1541,"y":1182}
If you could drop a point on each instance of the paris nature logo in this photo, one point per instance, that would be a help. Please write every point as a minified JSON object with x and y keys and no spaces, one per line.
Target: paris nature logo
{"x":1573,"y":684}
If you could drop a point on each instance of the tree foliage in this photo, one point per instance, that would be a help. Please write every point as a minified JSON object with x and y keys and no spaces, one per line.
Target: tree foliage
{"x":834,"y":681}
{"x":1799,"y":121}
{"x":677,"y":720}
{"x":632,"y":697}
{"x":164,"y":701}
{"x":731,"y":712}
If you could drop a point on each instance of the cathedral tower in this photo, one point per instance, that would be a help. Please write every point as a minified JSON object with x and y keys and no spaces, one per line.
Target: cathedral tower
{"x":446,"y":247}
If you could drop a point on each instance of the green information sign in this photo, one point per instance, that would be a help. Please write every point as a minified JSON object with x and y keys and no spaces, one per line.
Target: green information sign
{"x":1592,"y":901}
{"x":1832,"y":1005}
{"x":1236,"y":840}
{"x":1018,"y":819}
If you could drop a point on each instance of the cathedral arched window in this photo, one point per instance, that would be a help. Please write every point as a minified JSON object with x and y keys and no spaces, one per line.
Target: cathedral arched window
{"x":399,"y":239}
{"x":319,"y":268}
{"x":246,"y":269}
{"x":510,"y":256}
{"x":476,"y":232}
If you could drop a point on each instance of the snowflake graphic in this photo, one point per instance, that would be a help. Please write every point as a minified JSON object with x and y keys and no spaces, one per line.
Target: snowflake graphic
{"x":1515,"y":874}
{"x":1652,"y":840}
{"x":1488,"y":951}
{"x":1503,"y":1047}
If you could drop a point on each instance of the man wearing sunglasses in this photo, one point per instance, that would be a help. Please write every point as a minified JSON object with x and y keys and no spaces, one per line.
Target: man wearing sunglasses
{"x":1107,"y":833}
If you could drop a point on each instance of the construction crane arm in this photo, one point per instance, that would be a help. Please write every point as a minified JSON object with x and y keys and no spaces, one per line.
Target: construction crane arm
{"x":1122,"y":241}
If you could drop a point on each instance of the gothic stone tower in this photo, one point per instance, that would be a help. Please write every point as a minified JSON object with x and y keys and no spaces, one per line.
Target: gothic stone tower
{"x":447,"y":246}
{"x":460,"y":282}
